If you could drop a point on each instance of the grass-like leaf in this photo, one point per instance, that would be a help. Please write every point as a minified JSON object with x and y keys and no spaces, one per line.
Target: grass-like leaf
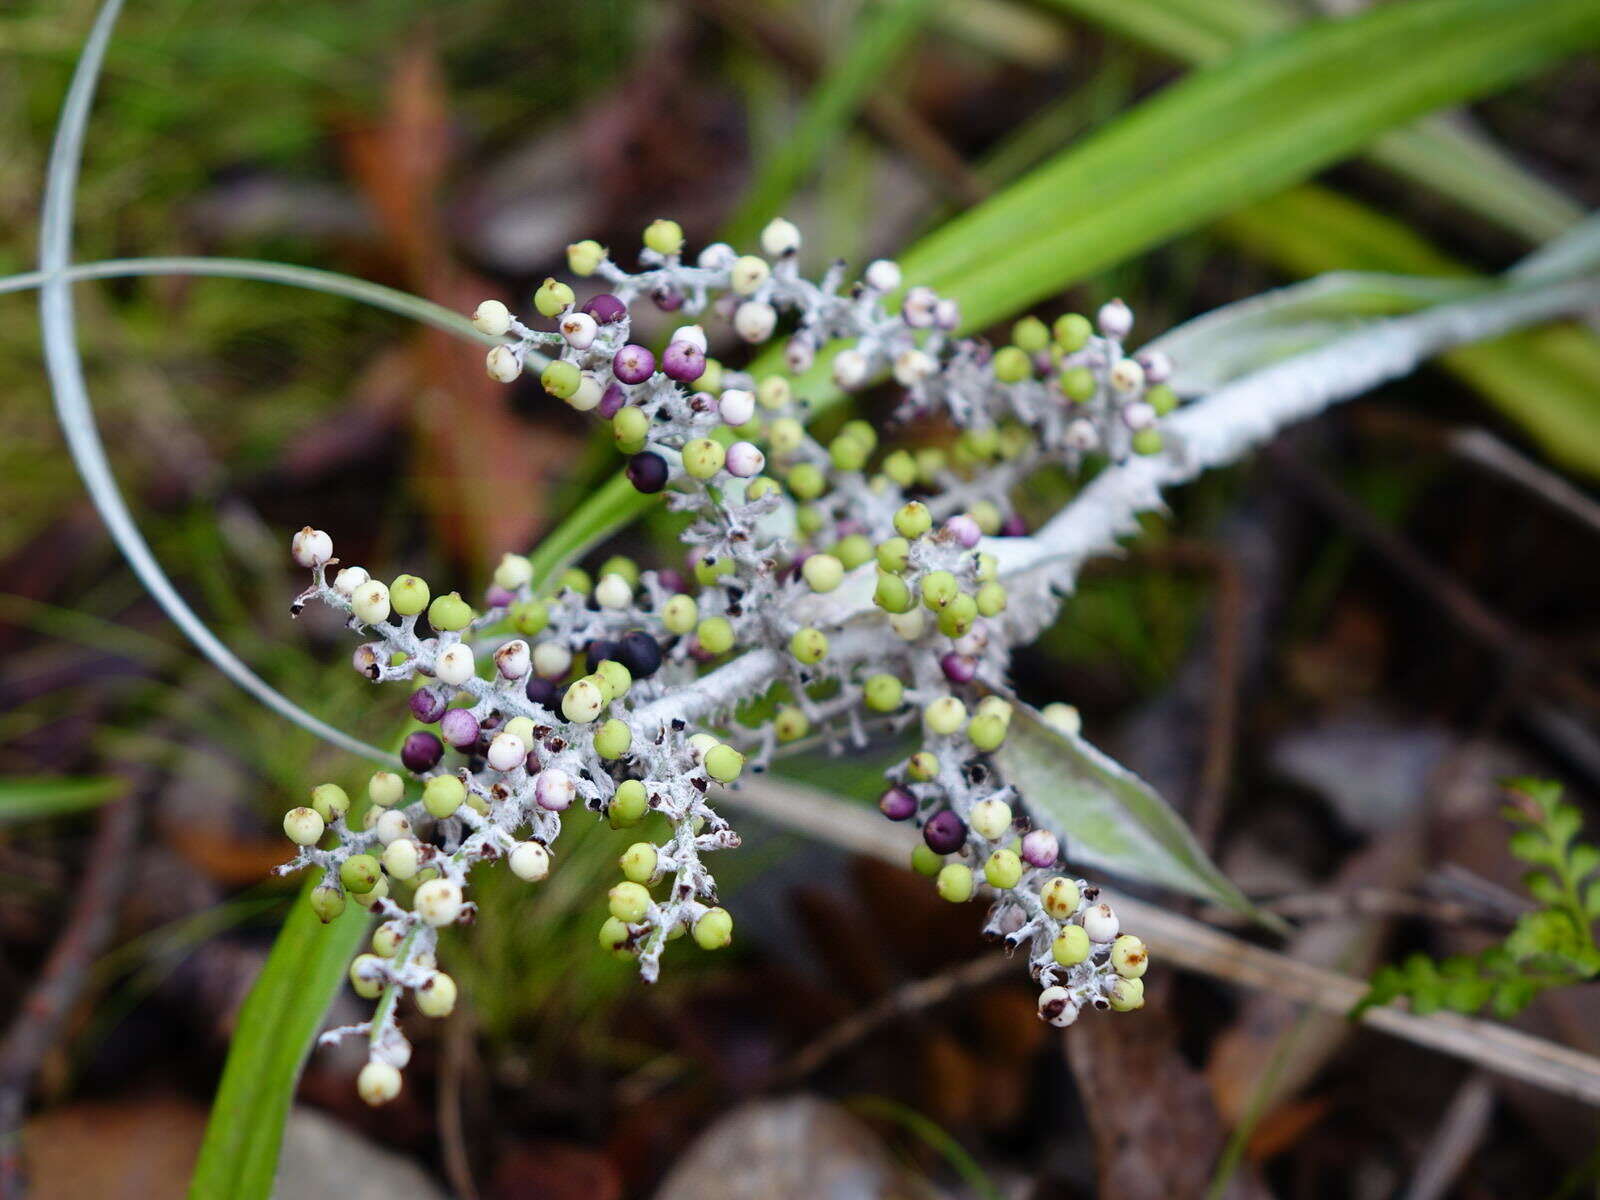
{"x":35,"y":799}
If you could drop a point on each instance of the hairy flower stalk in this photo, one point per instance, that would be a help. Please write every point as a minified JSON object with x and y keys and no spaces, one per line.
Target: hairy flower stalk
{"x":842,"y":587}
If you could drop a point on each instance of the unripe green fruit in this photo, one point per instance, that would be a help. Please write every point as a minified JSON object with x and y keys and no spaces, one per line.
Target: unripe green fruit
{"x":553,"y":297}
{"x":1072,"y":332}
{"x":613,"y":738}
{"x":809,"y":518}
{"x":1060,"y":897}
{"x":615,"y":679}
{"x":807,"y":481}
{"x":923,"y":766}
{"x":561,"y":379}
{"x":761,"y":486}
{"x":786,"y":435}
{"x":584,"y":258}
{"x":360,"y":874}
{"x":442,"y":795}
{"x":773,"y":392}
{"x":327,"y":902}
{"x":621,"y":564}
{"x":848,"y":453}
{"x":400,"y":858}
{"x":854,"y":550}
{"x":628,"y":805}
{"x":990,"y":819}
{"x":994,"y":706}
{"x":1078,"y":384}
{"x":386,"y":939}
{"x":711,"y":378}
{"x":930,"y":461}
{"x":378,"y":892}
{"x":638,"y":862}
{"x":790,"y":724}
{"x":913,"y":520}
{"x":724,"y":763}
{"x":713,"y":929}
{"x":629,"y":902}
{"x":1126,"y":995}
{"x":981,"y":444}
{"x":408,"y":595}
{"x":386,"y":789}
{"x":576,"y":579}
{"x":1011,"y":364}
{"x":708,"y":570}
{"x":991,"y":599}
{"x":925,"y":862}
{"x":437,"y":997}
{"x":521,"y":728}
{"x":703,"y":457}
{"x":1161,"y":398}
{"x":1030,"y":334}
{"x":987,"y":515}
{"x":449,"y":613}
{"x":583,"y":701}
{"x":883,"y":693}
{"x":901,"y":467}
{"x":330,"y":801}
{"x":613,"y":936}
{"x":664,"y":236}
{"x":862,"y":431}
{"x":716,"y":635}
{"x":1129,"y":958}
{"x":957,"y":617}
{"x":365,"y":976}
{"x":988,"y":567}
{"x":893,"y":554}
{"x":823,"y":572}
{"x":630,"y":426}
{"x":939,"y":588}
{"x":1071,"y":947}
{"x":892,"y":594}
{"x":986,"y":733}
{"x":1146,"y":441}
{"x":955,"y":883}
{"x":1003,"y":869}
{"x":945,"y":715}
{"x":680,"y":613}
{"x":809,"y":646}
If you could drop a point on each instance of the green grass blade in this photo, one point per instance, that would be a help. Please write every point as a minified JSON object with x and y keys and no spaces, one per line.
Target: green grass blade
{"x":35,"y":799}
{"x":882,"y":35}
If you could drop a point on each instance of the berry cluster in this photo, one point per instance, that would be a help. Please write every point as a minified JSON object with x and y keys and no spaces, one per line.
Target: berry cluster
{"x":856,"y":586}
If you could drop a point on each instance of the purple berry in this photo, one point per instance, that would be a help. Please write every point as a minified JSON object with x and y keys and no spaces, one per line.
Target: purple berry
{"x":668,"y":299}
{"x":639,"y":652}
{"x":958,"y":668}
{"x":497,"y":597}
{"x":671,"y":580}
{"x":459,"y":727}
{"x":1013,"y":526}
{"x":945,"y":833}
{"x":421,"y":751}
{"x":897,"y":804}
{"x":543,"y":691}
{"x":427,"y":705}
{"x":611,"y":401}
{"x":601,"y":649}
{"x":633,"y":363}
{"x":964,"y":529}
{"x":605,"y":308}
{"x":648,"y":471}
{"x":1040,"y":848}
{"x":684,"y":361}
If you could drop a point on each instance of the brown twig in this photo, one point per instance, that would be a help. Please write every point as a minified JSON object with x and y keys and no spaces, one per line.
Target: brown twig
{"x":1461,"y":1131}
{"x":44,"y":1010}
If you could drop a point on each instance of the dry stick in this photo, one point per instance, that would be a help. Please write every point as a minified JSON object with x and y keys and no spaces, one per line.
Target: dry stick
{"x":1197,"y":947}
{"x":1460,"y":1133}
{"x":44,"y":1010}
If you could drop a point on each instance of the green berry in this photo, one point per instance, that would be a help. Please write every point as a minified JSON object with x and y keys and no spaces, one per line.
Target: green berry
{"x":893,"y":554}
{"x":366,"y":977}
{"x":1071,"y":947}
{"x":991,"y":599}
{"x":955,"y":883}
{"x":303,"y":826}
{"x":327,"y":902}
{"x":809,"y":646}
{"x":923,"y":766}
{"x":1161,"y":398}
{"x":630,"y":427}
{"x":621,"y":564}
{"x":1126,"y":995}
{"x":1078,"y":384}
{"x":583,"y":701}
{"x":1147,"y":441}
{"x":330,"y":801}
{"x":901,"y":467}
{"x":449,"y":613}
{"x":530,"y":617}
{"x":1003,"y":869}
{"x":1072,"y":332}
{"x":679,"y":614}
{"x":930,"y":462}
{"x":807,"y":481}
{"x":925,"y":862}
{"x":553,"y":297}
{"x":359,"y":873}
{"x":1031,"y":334}
{"x":716,"y":635}
{"x":786,"y":435}
{"x":638,"y":862}
{"x":790,"y":724}
{"x":986,"y":733}
{"x":628,"y":805}
{"x":861,"y":431}
{"x":848,"y":453}
{"x":761,"y":486}
{"x":987,"y":515}
{"x":723,"y":763}
{"x":944,"y":716}
{"x":442,"y":795}
{"x":892,"y":594}
{"x":1129,"y":958}
{"x":883,"y":693}
{"x":773,"y":392}
{"x":616,"y":679}
{"x":854,"y":550}
{"x":386,"y":789}
{"x":708,"y":570}
{"x":408,"y":595}
{"x":561,"y":378}
{"x":1060,"y":897}
{"x":713,"y":929}
{"x":990,"y":819}
{"x":663,"y":236}
{"x":437,"y":996}
{"x":913,"y":520}
{"x":809,"y":518}
{"x":629,"y":902}
{"x":703,"y":457}
{"x":614,"y":936}
{"x":1011,"y":364}
{"x":401,"y":858}
{"x":996,"y":707}
{"x":957,"y":616}
{"x":584,"y":258}
{"x":613,"y":738}
{"x":823,"y":572}
{"x":386,"y":939}
{"x":939,"y":589}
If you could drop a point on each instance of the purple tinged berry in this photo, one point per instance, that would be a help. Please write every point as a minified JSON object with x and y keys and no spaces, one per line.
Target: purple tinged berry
{"x":611,"y":401}
{"x":898,"y":804}
{"x":543,"y":691}
{"x":945,"y":833}
{"x":497,"y":597}
{"x":459,"y":727}
{"x":421,"y":751}
{"x":639,"y":652}
{"x":684,"y":361}
{"x":958,"y":668}
{"x":672,"y":581}
{"x":599,"y":650}
{"x":668,"y":299}
{"x":633,"y":363}
{"x":1040,"y":848}
{"x":427,"y":705}
{"x":648,"y":471}
{"x":605,"y":308}
{"x":964,"y":529}
{"x":1013,"y":526}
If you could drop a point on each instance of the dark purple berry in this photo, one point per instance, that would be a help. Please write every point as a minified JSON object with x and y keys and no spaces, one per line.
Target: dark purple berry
{"x":1013,"y":526}
{"x":671,"y":580}
{"x":898,"y":804}
{"x":421,"y":751}
{"x":668,"y":299}
{"x":958,"y":668}
{"x":428,"y":705}
{"x":543,"y":691}
{"x":945,"y":832}
{"x":648,"y":471}
{"x":611,"y":401}
{"x":633,"y":363}
{"x":599,"y":650}
{"x":605,"y":308}
{"x":459,"y":727}
{"x":639,"y":652}
{"x":684,"y":361}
